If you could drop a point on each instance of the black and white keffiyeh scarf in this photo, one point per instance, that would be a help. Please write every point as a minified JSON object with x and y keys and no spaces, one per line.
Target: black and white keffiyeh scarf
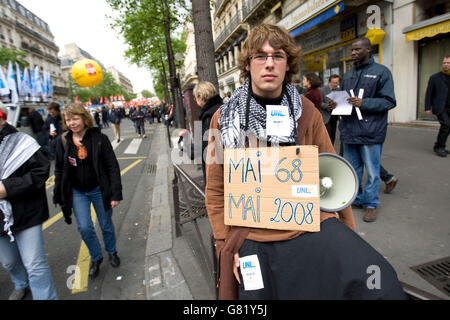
{"x":232,"y":118}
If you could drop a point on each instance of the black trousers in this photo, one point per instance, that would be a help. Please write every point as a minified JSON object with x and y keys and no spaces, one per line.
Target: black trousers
{"x":444,"y":130}
{"x":335,"y":263}
{"x":331,"y":128}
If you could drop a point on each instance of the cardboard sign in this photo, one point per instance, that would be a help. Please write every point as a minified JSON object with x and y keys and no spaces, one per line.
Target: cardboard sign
{"x":272,"y":188}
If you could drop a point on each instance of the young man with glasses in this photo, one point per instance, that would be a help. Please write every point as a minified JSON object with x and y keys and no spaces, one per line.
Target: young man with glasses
{"x":292,"y":263}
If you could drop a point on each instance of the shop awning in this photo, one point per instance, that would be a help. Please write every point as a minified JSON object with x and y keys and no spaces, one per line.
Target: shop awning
{"x":323,"y":16}
{"x":428,"y":28}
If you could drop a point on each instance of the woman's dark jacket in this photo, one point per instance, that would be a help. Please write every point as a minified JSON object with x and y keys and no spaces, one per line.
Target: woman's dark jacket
{"x":315,"y":96}
{"x":25,"y":190}
{"x":106,"y":168}
{"x":206,"y":113}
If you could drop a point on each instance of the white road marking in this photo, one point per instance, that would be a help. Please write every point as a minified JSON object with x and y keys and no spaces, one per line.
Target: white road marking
{"x":133,"y":147}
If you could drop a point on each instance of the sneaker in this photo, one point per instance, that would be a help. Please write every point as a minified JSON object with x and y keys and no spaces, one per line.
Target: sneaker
{"x":18,"y":294}
{"x":370,"y":214}
{"x":144,"y":136}
{"x":391,"y":185}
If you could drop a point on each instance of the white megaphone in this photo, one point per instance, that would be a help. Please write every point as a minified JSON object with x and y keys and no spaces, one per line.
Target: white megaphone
{"x":338,"y":182}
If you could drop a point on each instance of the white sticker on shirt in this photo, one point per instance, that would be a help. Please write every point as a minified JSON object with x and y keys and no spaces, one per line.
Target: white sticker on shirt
{"x":277,"y":121}
{"x":251,"y":272}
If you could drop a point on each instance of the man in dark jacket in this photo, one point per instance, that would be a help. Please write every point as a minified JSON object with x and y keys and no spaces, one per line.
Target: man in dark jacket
{"x":363,"y":138}
{"x":115,"y":116}
{"x":329,"y":119}
{"x":21,"y":241}
{"x":138,"y":117}
{"x":52,"y":128}
{"x":437,"y":100}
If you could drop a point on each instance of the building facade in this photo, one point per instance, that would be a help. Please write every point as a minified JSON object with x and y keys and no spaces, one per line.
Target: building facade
{"x":232,"y":20}
{"x":410,"y":37}
{"x":23,"y":30}
{"x":121,"y":79}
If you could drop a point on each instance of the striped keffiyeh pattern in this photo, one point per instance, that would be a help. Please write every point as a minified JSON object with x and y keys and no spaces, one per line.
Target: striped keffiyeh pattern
{"x":232,"y":118}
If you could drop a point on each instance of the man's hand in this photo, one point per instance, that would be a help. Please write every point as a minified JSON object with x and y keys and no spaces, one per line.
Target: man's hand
{"x":355,"y":101}
{"x":428,"y":112}
{"x":2,"y":191}
{"x":331,"y":105}
{"x":114,"y":204}
{"x":235,"y":267}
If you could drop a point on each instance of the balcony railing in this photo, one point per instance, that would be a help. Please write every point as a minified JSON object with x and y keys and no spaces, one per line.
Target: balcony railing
{"x":248,"y":6}
{"x":37,"y":35}
{"x":234,"y":22}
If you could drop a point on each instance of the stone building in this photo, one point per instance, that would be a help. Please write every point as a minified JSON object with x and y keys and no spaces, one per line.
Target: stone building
{"x":22,"y":29}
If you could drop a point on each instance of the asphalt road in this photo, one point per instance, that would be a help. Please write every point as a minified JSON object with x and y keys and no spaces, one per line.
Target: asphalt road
{"x":65,"y":249}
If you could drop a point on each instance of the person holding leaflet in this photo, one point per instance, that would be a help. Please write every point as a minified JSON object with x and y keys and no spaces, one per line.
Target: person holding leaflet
{"x":363,"y":131}
{"x":258,"y":263}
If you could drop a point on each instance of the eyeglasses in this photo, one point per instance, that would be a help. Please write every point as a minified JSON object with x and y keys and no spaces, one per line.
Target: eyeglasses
{"x":261,"y":58}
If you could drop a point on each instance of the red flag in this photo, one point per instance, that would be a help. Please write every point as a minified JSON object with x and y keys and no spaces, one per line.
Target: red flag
{"x":101,"y":100}
{"x":106,"y":99}
{"x":90,"y":103}
{"x":111,"y":98}
{"x":76,"y":99}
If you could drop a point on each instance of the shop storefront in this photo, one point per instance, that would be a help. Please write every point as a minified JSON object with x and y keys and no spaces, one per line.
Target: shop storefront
{"x":433,"y":37}
{"x":326,"y":35}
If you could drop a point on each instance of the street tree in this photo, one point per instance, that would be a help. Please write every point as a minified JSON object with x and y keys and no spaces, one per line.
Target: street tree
{"x":13,"y":55}
{"x":204,"y":43}
{"x":147,"y":94}
{"x":146,"y":26}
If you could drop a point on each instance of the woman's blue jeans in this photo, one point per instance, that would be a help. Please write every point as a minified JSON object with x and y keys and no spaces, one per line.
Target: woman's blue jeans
{"x":368,"y":156}
{"x":82,"y":211}
{"x":26,"y":262}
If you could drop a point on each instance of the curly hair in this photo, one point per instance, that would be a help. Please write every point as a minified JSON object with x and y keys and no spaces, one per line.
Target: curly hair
{"x":77,"y":109}
{"x":278,"y":38}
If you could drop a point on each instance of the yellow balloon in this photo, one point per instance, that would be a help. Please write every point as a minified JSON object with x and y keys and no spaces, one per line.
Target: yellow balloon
{"x":87,"y":73}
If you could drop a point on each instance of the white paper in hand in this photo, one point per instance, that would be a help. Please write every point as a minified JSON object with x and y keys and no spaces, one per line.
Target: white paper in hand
{"x":343,"y":108}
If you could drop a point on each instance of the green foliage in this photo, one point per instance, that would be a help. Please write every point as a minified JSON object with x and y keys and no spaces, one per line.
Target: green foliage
{"x":147,"y":94}
{"x":141,"y":23}
{"x":13,"y":55}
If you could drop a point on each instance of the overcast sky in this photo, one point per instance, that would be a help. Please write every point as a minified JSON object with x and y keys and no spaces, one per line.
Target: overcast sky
{"x":84,"y":22}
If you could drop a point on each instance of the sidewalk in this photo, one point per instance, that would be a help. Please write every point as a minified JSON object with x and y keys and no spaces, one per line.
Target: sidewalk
{"x":412,"y":227}
{"x":172,"y":267}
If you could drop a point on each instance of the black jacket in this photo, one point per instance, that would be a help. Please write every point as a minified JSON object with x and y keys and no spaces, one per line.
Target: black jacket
{"x":105,"y":165}
{"x":378,"y":99}
{"x":437,"y":92}
{"x":25,"y":190}
{"x":206,"y":113}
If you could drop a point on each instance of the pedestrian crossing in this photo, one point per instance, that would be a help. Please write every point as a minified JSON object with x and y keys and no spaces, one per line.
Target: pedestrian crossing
{"x":133,"y":147}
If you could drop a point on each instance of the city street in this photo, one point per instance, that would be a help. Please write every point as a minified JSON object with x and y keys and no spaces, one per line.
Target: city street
{"x":63,"y":243}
